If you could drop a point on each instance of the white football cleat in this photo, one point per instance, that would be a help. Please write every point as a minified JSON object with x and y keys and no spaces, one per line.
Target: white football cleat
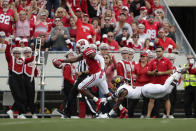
{"x":103,"y":116}
{"x":21,"y":116}
{"x":11,"y":114}
{"x":34,"y":116}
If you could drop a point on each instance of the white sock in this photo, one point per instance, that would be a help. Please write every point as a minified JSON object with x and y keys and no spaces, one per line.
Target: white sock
{"x":95,"y":99}
{"x":112,"y":112}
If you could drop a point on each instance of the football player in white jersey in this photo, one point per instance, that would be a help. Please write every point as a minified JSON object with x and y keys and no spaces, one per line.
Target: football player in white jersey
{"x":123,"y":90}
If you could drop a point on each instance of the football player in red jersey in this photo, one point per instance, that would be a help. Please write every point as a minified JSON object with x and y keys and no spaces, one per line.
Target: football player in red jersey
{"x":96,"y":67}
{"x":29,"y":85}
{"x":15,"y":67}
{"x":6,"y":18}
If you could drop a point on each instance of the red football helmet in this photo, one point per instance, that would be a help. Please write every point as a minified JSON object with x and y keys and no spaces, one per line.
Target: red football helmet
{"x":57,"y":63}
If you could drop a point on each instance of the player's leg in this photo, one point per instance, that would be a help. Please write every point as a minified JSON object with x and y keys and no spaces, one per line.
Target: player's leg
{"x":157,"y":90}
{"x":88,"y":82}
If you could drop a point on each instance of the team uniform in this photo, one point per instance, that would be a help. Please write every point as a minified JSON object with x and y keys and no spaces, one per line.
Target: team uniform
{"x":124,"y":69}
{"x":5,"y":21}
{"x":94,"y":71}
{"x":149,"y":90}
{"x":16,"y":81}
{"x":30,"y":85}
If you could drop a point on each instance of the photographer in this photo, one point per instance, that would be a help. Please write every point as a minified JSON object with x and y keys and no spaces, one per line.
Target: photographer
{"x":58,"y":36}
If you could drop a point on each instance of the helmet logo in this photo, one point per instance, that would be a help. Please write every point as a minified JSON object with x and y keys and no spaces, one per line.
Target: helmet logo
{"x":117,"y":80}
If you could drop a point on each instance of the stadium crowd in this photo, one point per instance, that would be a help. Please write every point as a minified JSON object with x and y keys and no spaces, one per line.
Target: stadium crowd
{"x":107,"y":25}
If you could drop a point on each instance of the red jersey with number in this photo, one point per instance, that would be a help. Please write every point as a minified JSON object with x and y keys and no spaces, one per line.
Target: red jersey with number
{"x":83,"y":30}
{"x":5,"y":21}
{"x":93,"y":65}
{"x":151,"y":30}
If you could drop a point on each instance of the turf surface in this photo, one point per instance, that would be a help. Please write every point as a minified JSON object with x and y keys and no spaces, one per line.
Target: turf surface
{"x":57,"y":124}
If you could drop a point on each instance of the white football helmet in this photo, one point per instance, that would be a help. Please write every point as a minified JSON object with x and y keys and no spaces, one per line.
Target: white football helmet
{"x":84,"y":44}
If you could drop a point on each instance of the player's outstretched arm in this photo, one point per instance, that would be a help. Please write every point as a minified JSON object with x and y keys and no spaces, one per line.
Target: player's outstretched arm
{"x":120,"y":99}
{"x":72,"y":60}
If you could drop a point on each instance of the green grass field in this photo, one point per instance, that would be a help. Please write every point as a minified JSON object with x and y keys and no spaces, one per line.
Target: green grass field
{"x":57,"y":124}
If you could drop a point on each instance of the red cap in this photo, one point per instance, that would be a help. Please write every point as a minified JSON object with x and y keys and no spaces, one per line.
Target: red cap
{"x":78,"y":9}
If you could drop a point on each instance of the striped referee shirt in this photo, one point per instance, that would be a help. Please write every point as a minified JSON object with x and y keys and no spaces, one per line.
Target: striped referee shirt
{"x":82,"y":66}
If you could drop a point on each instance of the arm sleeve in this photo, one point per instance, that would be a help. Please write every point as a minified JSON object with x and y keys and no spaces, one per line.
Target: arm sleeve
{"x":8,"y":54}
{"x":101,"y":60}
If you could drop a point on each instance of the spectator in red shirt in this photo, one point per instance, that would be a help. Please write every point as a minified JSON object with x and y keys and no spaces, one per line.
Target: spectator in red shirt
{"x":151,"y":27}
{"x":7,"y":18}
{"x":160,"y":69}
{"x":118,"y":8}
{"x":78,"y":13}
{"x":164,"y":41}
{"x":72,"y":29}
{"x":95,"y":23}
{"x":84,"y":28}
{"x":22,"y":5}
{"x":140,"y":73}
{"x":157,"y":5}
{"x":129,"y":17}
{"x":113,"y":45}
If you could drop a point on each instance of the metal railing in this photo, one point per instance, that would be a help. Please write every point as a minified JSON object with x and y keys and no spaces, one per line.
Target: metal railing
{"x":180,"y":37}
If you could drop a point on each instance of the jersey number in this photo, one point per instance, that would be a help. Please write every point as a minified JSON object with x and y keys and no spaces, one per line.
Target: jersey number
{"x":152,"y":33}
{"x":4,"y":19}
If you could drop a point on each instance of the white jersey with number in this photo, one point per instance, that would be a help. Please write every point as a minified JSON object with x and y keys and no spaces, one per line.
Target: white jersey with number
{"x":132,"y":93}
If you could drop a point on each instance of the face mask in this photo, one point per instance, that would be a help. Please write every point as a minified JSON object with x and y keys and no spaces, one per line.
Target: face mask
{"x":191,"y":61}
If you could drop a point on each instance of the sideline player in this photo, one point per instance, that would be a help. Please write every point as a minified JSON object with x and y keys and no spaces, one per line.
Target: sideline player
{"x":124,"y":90}
{"x":97,"y":76}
